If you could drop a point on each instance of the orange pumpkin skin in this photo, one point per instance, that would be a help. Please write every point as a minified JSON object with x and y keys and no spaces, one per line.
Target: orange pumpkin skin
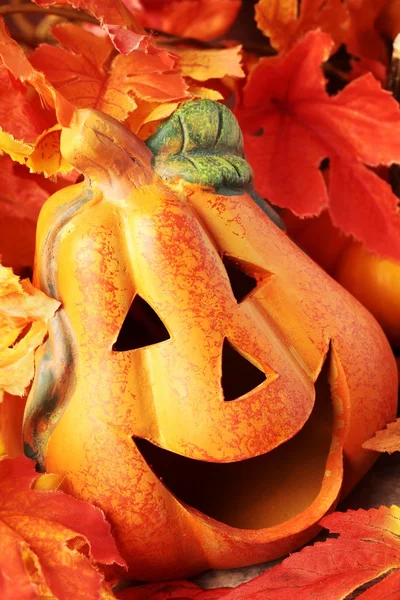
{"x":375,"y":282}
{"x":242,"y":481}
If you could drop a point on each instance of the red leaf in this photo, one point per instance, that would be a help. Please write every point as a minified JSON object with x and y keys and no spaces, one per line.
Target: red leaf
{"x":212,"y":17}
{"x":22,"y":118}
{"x":368,"y":548}
{"x":49,"y":539}
{"x":387,"y":440}
{"x":125,"y":32}
{"x":181,"y":590}
{"x":290,"y":125}
{"x":15,"y":61}
{"x":82,"y":72}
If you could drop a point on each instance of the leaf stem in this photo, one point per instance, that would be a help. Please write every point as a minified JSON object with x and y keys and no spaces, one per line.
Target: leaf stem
{"x":10,"y":9}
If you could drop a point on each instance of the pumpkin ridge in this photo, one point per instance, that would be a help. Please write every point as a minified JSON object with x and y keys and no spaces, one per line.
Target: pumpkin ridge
{"x":55,"y":380}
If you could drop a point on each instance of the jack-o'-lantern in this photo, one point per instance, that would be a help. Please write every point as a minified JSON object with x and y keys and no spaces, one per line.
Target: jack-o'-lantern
{"x":204,"y":383}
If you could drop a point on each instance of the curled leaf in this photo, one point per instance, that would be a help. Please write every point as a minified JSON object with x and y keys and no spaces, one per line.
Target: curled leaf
{"x":116,"y":19}
{"x":387,"y":440}
{"x":51,"y":543}
{"x":16,"y":62}
{"x":24,"y":314}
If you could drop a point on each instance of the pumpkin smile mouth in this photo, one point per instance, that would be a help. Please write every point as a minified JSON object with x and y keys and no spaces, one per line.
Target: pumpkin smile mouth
{"x":257,"y":492}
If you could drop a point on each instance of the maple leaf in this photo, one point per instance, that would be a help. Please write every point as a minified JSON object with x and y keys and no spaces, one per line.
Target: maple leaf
{"x":24,"y":314}
{"x":368,"y":548}
{"x":291,"y":125}
{"x":286,"y":22}
{"x":50,"y":542}
{"x":85,"y":74}
{"x":16,"y":62}
{"x":387,"y":440}
{"x":212,"y":17}
{"x":206,"y":64}
{"x":115,"y":18}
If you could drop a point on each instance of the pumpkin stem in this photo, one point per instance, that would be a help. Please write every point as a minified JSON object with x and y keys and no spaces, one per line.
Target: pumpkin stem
{"x":113,"y":158}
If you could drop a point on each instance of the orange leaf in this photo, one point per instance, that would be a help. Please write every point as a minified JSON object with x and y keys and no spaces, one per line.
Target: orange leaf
{"x":125,"y":32}
{"x":362,"y":36}
{"x":201,"y":19}
{"x":24,"y":314}
{"x":145,"y":119}
{"x":387,"y":440}
{"x":285,"y":110}
{"x":285,"y":23}
{"x":210,"y":64}
{"x":84,"y":75}
{"x":368,"y":548}
{"x":14,"y":59}
{"x":50,"y":542}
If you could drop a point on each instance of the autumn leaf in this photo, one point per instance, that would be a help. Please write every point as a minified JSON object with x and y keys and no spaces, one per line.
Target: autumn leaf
{"x":201,"y":19}
{"x":86,"y":74}
{"x":16,"y":62}
{"x":144,"y":120}
{"x":200,"y":64}
{"x":368,"y":548}
{"x":49,"y":542}
{"x":363,"y":37}
{"x":286,"y":22}
{"x":24,"y":314}
{"x":116,"y":19}
{"x":181,"y":590}
{"x":291,"y":125}
{"x":387,"y":440}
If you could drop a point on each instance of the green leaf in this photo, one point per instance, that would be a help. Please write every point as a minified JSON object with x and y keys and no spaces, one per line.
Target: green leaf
{"x":202,"y":143}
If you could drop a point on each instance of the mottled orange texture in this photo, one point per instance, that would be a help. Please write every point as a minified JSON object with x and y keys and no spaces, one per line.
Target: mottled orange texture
{"x":231,"y":482}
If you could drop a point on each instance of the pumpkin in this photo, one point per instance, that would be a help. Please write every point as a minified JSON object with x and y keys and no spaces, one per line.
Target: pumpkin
{"x":204,"y":383}
{"x":375,"y":282}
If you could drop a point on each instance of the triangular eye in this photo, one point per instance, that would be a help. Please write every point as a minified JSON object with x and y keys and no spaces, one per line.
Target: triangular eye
{"x":239,"y":375}
{"x":142,"y":327}
{"x":243,"y":276}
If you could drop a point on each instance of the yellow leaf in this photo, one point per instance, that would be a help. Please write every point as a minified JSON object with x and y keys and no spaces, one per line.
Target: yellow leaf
{"x":210,"y":64}
{"x":205,"y":93}
{"x":41,"y":156}
{"x":24,"y":314}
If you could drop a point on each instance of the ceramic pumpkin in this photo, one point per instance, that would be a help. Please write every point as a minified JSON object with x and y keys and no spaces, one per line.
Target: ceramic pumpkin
{"x":205,"y":383}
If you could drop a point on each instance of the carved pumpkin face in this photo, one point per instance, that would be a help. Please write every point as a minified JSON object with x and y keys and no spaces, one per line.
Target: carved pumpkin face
{"x":204,"y":380}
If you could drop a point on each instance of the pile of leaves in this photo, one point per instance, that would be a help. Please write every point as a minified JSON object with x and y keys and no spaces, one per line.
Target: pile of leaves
{"x":316,"y":82}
